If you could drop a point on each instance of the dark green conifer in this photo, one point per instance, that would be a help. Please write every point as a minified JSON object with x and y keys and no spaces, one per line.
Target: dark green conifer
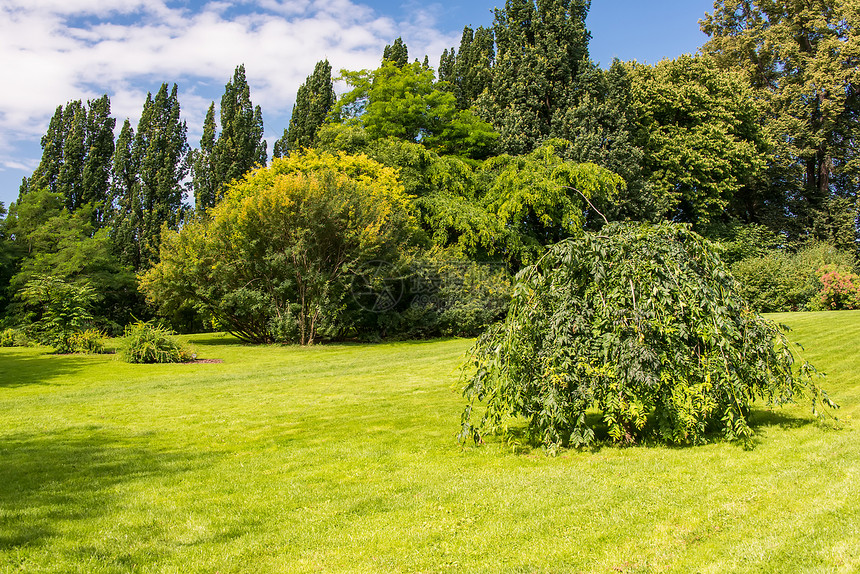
{"x":203,"y":180}
{"x":240,"y":146}
{"x":540,"y":45}
{"x":314,"y":100}
{"x":397,"y":53}
{"x":149,"y":175}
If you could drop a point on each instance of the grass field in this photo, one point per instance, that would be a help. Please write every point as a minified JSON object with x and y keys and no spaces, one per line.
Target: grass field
{"x":342,"y":458}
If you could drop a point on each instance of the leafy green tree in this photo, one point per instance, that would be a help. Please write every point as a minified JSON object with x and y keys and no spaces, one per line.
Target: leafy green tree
{"x":57,"y":310}
{"x":396,"y":53}
{"x":804,"y":57}
{"x":273,"y":261}
{"x":467,"y":72}
{"x":405,"y":103}
{"x":7,"y":259}
{"x":51,"y":240}
{"x":540,"y":198}
{"x":642,"y":325}
{"x":314,"y":100}
{"x":540,"y":47}
{"x":149,"y":167}
{"x":704,"y":151}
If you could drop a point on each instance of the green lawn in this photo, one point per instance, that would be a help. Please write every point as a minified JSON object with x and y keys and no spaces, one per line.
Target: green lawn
{"x":342,"y":458}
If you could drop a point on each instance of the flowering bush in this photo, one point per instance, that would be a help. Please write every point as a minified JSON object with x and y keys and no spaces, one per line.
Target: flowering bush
{"x":840,"y":289}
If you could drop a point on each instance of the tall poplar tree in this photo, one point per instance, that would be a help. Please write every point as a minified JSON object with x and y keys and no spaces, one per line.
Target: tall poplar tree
{"x":397,"y":53}
{"x":474,"y":65}
{"x":314,"y":100}
{"x":540,"y":47}
{"x":76,"y":156}
{"x":99,"y":143}
{"x":149,"y":171}
{"x":240,"y":146}
{"x":203,"y":179}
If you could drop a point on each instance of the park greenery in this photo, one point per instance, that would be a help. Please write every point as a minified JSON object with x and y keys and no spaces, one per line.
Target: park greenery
{"x":342,"y":458}
{"x":463,"y":183}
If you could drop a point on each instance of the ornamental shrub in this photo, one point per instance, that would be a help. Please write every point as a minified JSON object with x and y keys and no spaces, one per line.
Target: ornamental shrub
{"x":840,"y":288}
{"x":148,"y":343}
{"x":90,"y":341}
{"x":640,"y":325}
{"x":13,"y":338}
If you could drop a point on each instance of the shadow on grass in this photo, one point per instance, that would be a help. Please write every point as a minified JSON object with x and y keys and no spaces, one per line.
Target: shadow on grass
{"x":766,"y":418}
{"x":520,"y":441}
{"x":212,"y":339}
{"x":48,"y":480}
{"x":20,"y":368}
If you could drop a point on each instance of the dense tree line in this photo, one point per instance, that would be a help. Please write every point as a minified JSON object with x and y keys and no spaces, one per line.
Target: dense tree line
{"x":517,"y":141}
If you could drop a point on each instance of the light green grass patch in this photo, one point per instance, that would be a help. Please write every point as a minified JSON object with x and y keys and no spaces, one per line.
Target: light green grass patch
{"x":343,"y":458}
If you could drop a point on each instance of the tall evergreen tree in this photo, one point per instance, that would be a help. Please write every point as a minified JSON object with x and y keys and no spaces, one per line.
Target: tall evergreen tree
{"x":397,"y":53}
{"x":541,"y":45}
{"x":149,"y":171}
{"x":603,"y":129}
{"x":70,"y":181}
{"x":46,"y":174}
{"x":314,"y":100}
{"x":76,"y":156}
{"x":99,"y":153}
{"x":203,"y":179}
{"x":473,"y":68}
{"x":240,"y":145}
{"x":446,"y":72}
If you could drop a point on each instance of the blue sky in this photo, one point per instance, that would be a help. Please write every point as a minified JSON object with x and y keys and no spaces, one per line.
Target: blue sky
{"x":59,"y":50}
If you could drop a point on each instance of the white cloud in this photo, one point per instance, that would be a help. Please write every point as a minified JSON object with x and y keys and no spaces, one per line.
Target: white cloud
{"x":55,"y":51}
{"x":58,"y":50}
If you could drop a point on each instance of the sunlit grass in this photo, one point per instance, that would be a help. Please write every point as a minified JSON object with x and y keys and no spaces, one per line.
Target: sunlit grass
{"x":343,"y":458}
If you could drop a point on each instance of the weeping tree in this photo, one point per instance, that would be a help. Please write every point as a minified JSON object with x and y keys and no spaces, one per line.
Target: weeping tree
{"x":639,"y":330}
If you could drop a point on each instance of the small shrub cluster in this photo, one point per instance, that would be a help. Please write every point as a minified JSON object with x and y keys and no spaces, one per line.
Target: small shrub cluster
{"x":90,"y":341}
{"x":13,"y":338}
{"x":147,"y":343}
{"x":781,"y":280}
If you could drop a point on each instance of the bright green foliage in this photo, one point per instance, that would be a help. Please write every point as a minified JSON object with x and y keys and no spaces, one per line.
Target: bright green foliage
{"x":539,"y":50}
{"x":314,"y":100}
{"x":203,"y":178}
{"x":88,"y":342}
{"x":540,"y":198}
{"x":274,"y":260}
{"x":642,"y":324}
{"x":406,"y":103}
{"x":49,"y":240}
{"x":149,"y":169}
{"x":147,"y":343}
{"x":56,"y":310}
{"x":13,"y":338}
{"x":804,"y":57}
{"x":704,"y":150}
{"x":240,"y":146}
{"x":397,"y":53}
